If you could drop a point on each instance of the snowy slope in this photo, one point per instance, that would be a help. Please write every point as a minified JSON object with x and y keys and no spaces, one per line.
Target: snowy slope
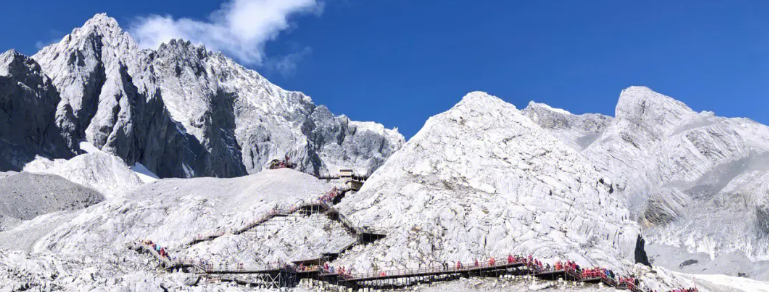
{"x":103,"y":172}
{"x":174,"y":211}
{"x":695,"y":181}
{"x":483,"y":180}
{"x":183,"y":111}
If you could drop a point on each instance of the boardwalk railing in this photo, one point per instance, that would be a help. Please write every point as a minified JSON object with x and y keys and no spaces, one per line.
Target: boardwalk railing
{"x":282,"y":274}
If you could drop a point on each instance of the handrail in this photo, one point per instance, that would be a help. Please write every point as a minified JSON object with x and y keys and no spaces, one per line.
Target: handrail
{"x":346,"y":275}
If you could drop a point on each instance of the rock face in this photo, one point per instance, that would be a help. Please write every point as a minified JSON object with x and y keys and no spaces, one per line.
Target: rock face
{"x":577,"y":131}
{"x":183,"y":111}
{"x":693,"y":180}
{"x":483,"y":180}
{"x":28,"y":103}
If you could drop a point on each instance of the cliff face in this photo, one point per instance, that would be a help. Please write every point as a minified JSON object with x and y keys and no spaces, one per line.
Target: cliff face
{"x":183,"y":111}
{"x":28,"y":105}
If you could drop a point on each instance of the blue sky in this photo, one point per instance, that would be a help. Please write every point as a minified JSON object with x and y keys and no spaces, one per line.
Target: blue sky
{"x":400,"y":62}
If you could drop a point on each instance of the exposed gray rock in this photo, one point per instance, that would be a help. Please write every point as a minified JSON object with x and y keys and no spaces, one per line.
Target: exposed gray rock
{"x":25,"y":195}
{"x":184,"y":111}
{"x":28,"y":103}
{"x":577,"y":131}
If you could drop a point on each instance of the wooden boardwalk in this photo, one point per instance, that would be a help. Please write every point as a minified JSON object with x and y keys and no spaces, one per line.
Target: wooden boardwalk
{"x":287,"y":275}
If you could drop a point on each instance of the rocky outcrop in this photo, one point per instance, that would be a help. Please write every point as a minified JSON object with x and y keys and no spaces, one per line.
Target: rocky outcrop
{"x":184,"y":111}
{"x":28,"y":105}
{"x":483,"y":180}
{"x":693,"y":180}
{"x":577,"y":131}
{"x":640,"y":253}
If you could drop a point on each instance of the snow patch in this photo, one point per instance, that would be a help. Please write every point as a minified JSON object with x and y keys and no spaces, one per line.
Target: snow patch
{"x":144,"y":174}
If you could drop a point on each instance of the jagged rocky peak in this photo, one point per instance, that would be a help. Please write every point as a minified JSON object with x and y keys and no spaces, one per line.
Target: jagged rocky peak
{"x":481,"y":180}
{"x":183,"y":111}
{"x":548,"y":117}
{"x":12,"y":61}
{"x":641,"y":105}
{"x":679,"y":170}
{"x":577,"y":131}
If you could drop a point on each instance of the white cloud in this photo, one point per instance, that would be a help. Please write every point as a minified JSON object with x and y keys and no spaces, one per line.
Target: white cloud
{"x":240,"y":28}
{"x":286,"y":65}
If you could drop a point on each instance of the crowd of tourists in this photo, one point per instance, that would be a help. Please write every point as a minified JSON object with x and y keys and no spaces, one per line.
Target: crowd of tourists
{"x":161,"y":251}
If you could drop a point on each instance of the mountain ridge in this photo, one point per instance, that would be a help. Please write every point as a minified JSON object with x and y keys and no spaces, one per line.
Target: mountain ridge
{"x":183,"y":111}
{"x":691,"y":179}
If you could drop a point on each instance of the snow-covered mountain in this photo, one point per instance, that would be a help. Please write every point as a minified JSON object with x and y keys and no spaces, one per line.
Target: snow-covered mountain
{"x":481,"y":180}
{"x":693,"y":180}
{"x":183,"y":111}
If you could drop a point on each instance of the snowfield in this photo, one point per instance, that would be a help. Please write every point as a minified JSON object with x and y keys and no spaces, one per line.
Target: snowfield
{"x":103,"y":172}
{"x":172,"y":212}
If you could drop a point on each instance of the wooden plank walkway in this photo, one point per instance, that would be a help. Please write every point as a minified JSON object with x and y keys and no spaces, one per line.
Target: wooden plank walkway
{"x":288,"y":276}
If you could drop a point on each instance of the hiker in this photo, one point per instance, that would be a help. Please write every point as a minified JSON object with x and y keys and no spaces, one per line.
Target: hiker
{"x":459,"y":265}
{"x":492,"y":262}
{"x":476,"y":263}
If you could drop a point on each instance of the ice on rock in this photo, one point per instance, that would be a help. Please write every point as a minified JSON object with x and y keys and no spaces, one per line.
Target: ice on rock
{"x":483,"y":180}
{"x":172,"y":212}
{"x":696,"y":182}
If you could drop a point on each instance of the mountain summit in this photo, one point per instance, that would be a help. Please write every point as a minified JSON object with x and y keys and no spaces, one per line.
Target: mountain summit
{"x":183,"y":111}
{"x":482,"y":180}
{"x":696,"y":182}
